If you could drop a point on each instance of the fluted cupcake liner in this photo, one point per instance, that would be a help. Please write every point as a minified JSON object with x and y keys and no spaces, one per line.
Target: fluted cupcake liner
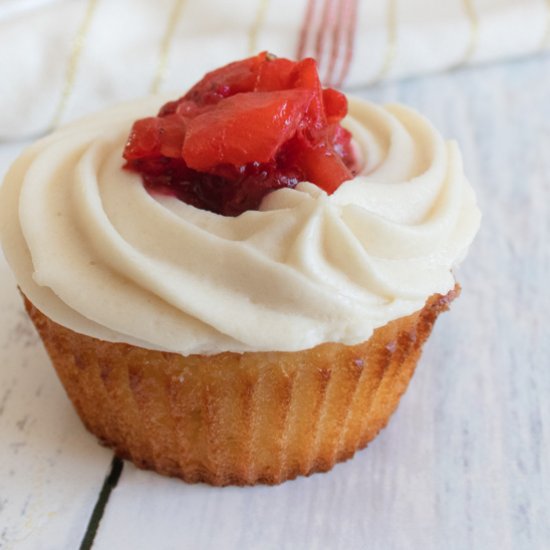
{"x":234,"y":418}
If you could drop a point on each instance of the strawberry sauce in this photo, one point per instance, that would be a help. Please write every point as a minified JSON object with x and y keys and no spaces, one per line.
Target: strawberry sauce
{"x":244,"y":130}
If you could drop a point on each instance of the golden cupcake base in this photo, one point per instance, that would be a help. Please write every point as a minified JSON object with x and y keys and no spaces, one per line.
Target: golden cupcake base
{"x":239,"y":419}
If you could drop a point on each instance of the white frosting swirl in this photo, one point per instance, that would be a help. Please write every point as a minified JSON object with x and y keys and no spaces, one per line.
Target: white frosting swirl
{"x":96,"y":252}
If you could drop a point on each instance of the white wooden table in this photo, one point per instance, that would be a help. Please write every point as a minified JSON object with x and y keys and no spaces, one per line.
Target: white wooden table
{"x":465,"y":462}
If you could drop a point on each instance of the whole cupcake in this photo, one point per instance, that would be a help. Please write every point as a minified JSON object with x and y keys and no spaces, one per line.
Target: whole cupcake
{"x":237,"y":289}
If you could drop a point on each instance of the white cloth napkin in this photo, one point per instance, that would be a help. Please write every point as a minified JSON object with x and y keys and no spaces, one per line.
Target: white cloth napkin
{"x":63,"y":58}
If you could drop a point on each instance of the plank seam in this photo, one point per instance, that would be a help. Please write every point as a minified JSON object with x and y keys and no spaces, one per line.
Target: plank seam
{"x":95,"y":519}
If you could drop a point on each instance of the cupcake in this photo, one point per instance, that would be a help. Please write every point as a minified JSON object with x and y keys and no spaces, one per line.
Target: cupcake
{"x":236,"y":290}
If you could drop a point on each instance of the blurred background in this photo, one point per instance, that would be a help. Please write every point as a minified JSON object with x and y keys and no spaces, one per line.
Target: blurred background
{"x":63,"y":58}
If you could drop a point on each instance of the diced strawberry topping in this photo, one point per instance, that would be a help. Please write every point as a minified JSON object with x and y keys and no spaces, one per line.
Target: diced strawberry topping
{"x":244,"y":128}
{"x":243,"y":131}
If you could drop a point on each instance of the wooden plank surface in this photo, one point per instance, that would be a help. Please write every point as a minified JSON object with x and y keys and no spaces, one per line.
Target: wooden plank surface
{"x":465,"y":462}
{"x":50,"y":468}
